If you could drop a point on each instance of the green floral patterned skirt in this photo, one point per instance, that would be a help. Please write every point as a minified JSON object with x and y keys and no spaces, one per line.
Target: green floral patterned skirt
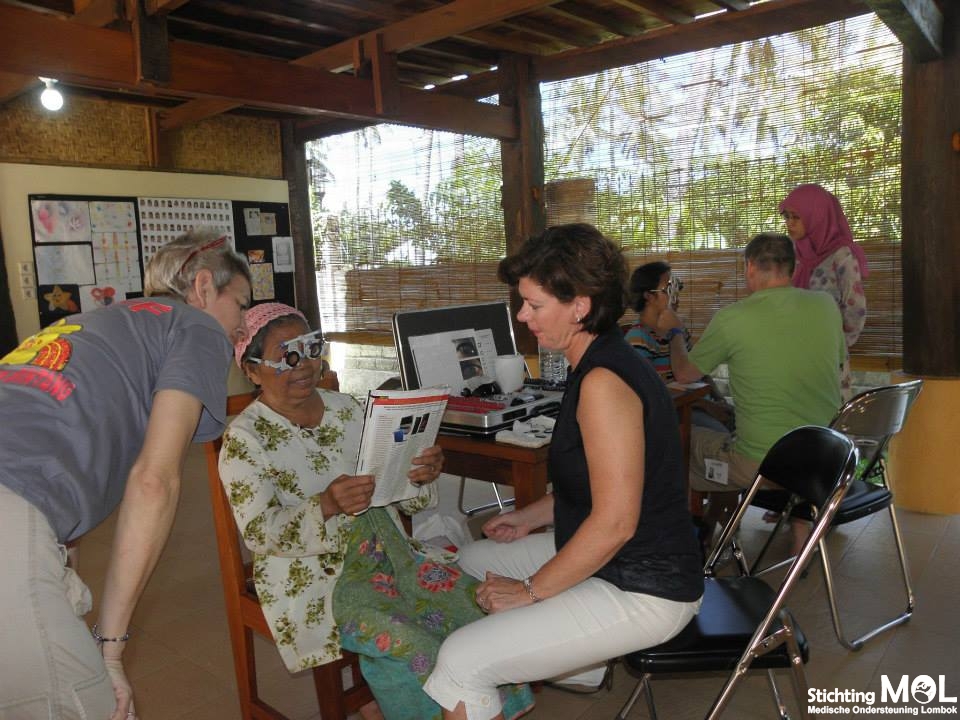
{"x":394,"y":609}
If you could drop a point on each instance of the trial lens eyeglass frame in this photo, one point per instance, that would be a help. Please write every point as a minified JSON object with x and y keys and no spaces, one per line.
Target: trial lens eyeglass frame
{"x":309,"y":345}
{"x":672,"y":289}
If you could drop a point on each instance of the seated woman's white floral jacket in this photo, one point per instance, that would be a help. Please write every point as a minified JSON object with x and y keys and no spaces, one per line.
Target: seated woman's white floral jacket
{"x":273,"y":472}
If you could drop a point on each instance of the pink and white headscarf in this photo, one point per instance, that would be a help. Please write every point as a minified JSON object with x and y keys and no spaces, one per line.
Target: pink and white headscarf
{"x":827,"y":230}
{"x":256,"y":318}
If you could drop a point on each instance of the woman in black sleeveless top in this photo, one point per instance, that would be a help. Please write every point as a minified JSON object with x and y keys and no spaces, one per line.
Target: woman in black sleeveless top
{"x":621,"y":568}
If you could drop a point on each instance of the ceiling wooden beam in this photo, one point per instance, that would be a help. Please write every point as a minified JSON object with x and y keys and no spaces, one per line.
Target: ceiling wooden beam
{"x":720,"y":29}
{"x":14,"y":84}
{"x":599,"y":18}
{"x":733,"y":4}
{"x":918,"y":24}
{"x":38,"y":44}
{"x":454,"y":18}
{"x":95,"y":13}
{"x":151,"y":43}
{"x":660,"y":10}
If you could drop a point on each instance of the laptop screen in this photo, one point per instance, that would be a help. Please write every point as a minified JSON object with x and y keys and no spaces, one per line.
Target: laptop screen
{"x":450,"y":345}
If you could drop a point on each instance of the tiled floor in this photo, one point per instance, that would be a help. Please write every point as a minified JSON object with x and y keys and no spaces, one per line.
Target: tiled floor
{"x":179,"y":658}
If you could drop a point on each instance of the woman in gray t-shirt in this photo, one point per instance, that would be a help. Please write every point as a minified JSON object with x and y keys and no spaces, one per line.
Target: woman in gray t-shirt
{"x":98,"y":411}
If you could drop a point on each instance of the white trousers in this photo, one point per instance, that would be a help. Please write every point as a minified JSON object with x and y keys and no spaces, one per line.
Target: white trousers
{"x":584,"y":625}
{"x":51,"y":667}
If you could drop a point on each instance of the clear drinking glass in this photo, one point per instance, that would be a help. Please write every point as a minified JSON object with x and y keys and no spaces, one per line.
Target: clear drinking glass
{"x":553,"y":366}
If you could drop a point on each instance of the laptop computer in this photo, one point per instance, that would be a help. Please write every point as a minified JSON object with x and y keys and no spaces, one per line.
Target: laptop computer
{"x":456,"y":346}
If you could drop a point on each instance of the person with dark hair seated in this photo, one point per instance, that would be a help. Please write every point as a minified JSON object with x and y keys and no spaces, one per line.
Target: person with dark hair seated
{"x":654,"y":289}
{"x":620,"y":570}
{"x":332,"y":572}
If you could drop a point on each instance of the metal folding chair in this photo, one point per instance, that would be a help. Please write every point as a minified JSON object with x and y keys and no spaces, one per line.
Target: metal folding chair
{"x":870,"y":419}
{"x":743,"y":622}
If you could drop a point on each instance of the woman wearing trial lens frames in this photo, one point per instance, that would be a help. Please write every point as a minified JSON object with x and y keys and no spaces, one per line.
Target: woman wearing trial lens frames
{"x":309,"y":345}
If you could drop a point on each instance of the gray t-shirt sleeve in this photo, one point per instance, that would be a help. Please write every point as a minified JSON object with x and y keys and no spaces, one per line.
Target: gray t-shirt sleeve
{"x":197,"y":362}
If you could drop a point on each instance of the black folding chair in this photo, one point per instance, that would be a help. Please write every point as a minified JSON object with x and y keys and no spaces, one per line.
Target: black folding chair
{"x":743,"y":622}
{"x":870,"y":419}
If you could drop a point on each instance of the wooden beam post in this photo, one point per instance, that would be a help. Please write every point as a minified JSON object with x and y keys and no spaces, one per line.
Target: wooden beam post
{"x":924,"y":456}
{"x":301,"y":228}
{"x":522,"y":161}
{"x":930,"y":188}
{"x":150,"y":43}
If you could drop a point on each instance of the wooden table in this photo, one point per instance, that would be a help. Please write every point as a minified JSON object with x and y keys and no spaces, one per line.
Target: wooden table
{"x":683,"y":400}
{"x":525,"y":469}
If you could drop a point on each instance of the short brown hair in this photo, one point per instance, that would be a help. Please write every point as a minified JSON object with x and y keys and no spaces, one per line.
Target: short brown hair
{"x":574,"y":260}
{"x":771,"y":251}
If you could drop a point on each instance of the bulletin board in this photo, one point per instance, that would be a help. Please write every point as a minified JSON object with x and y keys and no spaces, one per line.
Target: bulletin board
{"x":91,"y":251}
{"x":263,"y":235}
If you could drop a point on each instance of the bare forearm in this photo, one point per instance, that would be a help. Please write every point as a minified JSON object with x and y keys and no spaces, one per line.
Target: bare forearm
{"x":594,"y":544}
{"x":683,"y":370}
{"x":143,"y":525}
{"x":539,"y":513}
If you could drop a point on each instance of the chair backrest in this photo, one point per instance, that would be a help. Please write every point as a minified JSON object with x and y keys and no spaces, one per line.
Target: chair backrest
{"x":228,"y":538}
{"x":810,"y":462}
{"x":877,"y":413}
{"x":875,"y":416}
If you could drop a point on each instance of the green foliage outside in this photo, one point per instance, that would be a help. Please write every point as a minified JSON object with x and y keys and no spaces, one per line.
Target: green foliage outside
{"x":688,"y":153}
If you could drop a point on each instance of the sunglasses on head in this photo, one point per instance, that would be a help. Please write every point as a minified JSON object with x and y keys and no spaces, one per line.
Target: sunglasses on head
{"x":294,"y":350}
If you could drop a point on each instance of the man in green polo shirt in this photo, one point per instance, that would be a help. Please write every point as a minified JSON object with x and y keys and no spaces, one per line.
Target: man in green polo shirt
{"x":783,"y":347}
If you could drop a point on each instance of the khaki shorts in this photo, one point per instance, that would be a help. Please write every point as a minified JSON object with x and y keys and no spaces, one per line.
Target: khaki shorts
{"x":707,"y":444}
{"x":52,"y":668}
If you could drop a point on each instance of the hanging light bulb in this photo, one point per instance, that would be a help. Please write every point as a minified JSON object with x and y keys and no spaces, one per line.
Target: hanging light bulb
{"x":51,"y":98}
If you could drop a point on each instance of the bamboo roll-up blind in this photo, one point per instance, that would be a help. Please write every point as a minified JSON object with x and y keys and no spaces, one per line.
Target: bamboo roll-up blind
{"x":686,"y":159}
{"x":683,"y":159}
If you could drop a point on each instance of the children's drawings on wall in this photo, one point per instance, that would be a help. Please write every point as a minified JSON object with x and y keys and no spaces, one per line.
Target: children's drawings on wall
{"x":93,"y":296}
{"x":112,"y":216}
{"x":116,"y":261}
{"x":60,"y":300}
{"x":60,"y":221}
{"x":91,"y":251}
{"x":86,"y":253}
{"x":64,"y":264}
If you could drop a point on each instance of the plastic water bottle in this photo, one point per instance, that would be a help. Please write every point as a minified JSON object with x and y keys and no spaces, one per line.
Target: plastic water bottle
{"x":553,"y":367}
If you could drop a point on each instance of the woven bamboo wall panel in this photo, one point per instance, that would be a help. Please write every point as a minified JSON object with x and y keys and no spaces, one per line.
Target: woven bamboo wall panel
{"x":86,"y":132}
{"x":380,"y":292}
{"x":94,"y":133}
{"x":228,"y":144}
{"x":712,"y":279}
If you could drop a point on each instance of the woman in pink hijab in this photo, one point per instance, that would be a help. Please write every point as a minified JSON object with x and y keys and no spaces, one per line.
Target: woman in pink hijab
{"x":827,"y":257}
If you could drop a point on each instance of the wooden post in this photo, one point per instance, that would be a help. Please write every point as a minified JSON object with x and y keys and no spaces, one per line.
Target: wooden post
{"x":522,"y":161}
{"x":295,"y":173}
{"x":931,"y":211}
{"x":924,"y":457}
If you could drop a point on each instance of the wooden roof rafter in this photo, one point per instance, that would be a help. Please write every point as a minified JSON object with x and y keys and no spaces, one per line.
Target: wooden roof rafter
{"x":450,"y":19}
{"x":107,"y":58}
